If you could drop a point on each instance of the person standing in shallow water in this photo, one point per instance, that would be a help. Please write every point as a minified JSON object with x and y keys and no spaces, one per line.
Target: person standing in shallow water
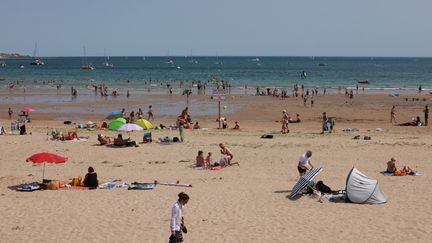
{"x":177,"y":224}
{"x":426,"y":114}
{"x":393,"y":115}
{"x":10,"y":112}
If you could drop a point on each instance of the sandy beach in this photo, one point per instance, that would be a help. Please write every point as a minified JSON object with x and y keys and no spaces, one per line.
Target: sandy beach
{"x":246,"y":203}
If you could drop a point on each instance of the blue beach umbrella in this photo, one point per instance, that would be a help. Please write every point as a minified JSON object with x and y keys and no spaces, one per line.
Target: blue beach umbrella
{"x":114,"y":114}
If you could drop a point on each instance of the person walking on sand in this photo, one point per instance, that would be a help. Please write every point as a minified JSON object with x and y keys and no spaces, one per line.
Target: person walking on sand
{"x":304,"y":163}
{"x":284,"y":121}
{"x":10,"y":112}
{"x":393,"y":115}
{"x":426,"y":114}
{"x":177,"y":224}
{"x":150,"y":113}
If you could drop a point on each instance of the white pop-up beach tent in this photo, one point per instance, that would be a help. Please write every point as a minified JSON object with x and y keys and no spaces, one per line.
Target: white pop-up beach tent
{"x":362,"y":189}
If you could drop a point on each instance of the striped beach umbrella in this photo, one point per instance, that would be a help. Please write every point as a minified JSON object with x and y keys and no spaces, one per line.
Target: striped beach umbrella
{"x":304,"y":181}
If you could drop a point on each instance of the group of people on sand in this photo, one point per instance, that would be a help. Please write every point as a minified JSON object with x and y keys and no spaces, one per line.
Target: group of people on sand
{"x":391,"y":168}
{"x":207,"y":162}
{"x":118,"y":142}
{"x":415,"y":121}
{"x":57,"y":135}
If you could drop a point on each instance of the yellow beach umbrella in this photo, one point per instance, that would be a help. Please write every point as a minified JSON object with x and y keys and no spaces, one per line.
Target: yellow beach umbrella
{"x":144,"y":124}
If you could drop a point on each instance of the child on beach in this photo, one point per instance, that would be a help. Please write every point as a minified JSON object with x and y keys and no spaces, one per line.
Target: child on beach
{"x":208,"y":160}
{"x":236,"y":126}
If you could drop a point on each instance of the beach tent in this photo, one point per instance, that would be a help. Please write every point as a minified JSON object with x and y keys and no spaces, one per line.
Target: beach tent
{"x":116,"y":124}
{"x":144,"y":124}
{"x":362,"y":189}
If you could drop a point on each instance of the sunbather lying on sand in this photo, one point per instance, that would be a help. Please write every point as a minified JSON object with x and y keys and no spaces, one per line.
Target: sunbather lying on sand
{"x":104,"y":140}
{"x":415,"y":122}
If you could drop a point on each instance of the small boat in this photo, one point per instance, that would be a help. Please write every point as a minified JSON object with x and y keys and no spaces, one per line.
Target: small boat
{"x":2,"y":64}
{"x":2,"y":79}
{"x":322,"y":64}
{"x":37,"y":61}
{"x":86,"y":65}
{"x":106,"y":62}
{"x":363,"y":82}
{"x":256,"y":60}
{"x":21,"y":66}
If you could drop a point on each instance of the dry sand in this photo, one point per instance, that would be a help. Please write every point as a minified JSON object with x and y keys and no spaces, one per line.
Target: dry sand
{"x":246,"y":203}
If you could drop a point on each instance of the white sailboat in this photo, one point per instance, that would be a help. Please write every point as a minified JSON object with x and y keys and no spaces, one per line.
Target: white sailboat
{"x":37,"y":61}
{"x":86,"y":65}
{"x":192,"y":59}
{"x":106,"y":63}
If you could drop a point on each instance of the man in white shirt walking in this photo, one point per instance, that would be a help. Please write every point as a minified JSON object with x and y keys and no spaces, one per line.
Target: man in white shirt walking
{"x":177,"y":222}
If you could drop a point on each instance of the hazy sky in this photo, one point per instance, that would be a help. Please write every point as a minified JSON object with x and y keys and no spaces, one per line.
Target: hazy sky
{"x":226,"y":27}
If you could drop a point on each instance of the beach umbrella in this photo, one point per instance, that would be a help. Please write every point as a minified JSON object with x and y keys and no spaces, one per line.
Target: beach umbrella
{"x":304,"y":181}
{"x":46,"y":158}
{"x":114,"y":114}
{"x":144,"y":124}
{"x":27,"y":109}
{"x":116,"y":124}
{"x":128,"y":127}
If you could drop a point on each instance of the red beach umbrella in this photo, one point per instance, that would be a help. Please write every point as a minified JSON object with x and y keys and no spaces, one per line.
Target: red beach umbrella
{"x":46,"y":158}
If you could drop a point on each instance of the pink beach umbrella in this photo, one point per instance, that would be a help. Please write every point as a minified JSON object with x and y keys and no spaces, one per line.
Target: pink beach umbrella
{"x":27,"y":109}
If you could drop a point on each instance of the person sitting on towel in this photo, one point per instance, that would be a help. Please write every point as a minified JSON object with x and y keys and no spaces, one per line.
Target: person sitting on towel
{"x":119,"y":141}
{"x":391,"y":168}
{"x":304,"y":163}
{"x":200,"y":159}
{"x":90,"y":179}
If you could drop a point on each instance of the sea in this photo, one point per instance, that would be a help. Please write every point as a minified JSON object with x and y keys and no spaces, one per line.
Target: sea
{"x":144,"y":74}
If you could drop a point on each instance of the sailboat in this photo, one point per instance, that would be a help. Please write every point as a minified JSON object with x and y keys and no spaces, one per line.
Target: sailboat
{"x":36,"y":60}
{"x":106,"y":62}
{"x":217,"y":60}
{"x":86,"y":66}
{"x":192,"y":59}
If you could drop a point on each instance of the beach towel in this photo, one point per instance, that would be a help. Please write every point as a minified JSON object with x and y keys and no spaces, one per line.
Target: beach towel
{"x":385,"y":173}
{"x":141,"y":186}
{"x":28,"y":187}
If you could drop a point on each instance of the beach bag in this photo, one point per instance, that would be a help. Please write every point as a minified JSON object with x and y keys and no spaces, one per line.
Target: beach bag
{"x":320,"y":186}
{"x":76,"y":181}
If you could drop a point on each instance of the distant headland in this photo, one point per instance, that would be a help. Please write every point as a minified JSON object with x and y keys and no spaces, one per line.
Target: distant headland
{"x":13,"y":56}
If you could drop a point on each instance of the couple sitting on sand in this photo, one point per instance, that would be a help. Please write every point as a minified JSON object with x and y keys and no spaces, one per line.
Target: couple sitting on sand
{"x":391,"y":168}
{"x":118,"y":142}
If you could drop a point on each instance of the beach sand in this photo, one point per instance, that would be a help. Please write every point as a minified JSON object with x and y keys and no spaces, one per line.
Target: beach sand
{"x":246,"y":203}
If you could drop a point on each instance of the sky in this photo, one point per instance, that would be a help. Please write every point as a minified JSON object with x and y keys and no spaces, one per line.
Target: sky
{"x":218,"y":27}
